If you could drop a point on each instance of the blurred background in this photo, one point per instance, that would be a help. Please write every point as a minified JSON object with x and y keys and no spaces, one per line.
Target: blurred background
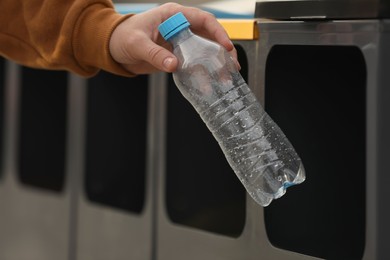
{"x":115,"y":168}
{"x":221,"y":8}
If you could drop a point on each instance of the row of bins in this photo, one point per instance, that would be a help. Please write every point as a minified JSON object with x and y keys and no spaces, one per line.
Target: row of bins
{"x":123,"y":168}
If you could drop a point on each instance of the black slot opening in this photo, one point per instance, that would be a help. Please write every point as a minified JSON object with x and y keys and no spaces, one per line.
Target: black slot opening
{"x":42,"y":129}
{"x":317,"y":95}
{"x":116,"y":141}
{"x":2,"y":89}
{"x":202,"y":190}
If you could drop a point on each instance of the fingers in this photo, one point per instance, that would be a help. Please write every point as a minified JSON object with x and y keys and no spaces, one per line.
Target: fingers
{"x":136,"y":44}
{"x":156,"y":55}
{"x":202,"y":23}
{"x":233,"y":53}
{"x":205,"y":24}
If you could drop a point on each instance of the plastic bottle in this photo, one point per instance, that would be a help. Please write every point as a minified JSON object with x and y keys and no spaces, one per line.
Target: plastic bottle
{"x":255,"y":147}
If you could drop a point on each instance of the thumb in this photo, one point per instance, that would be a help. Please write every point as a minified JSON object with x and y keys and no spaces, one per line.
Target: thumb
{"x":157,"y":56}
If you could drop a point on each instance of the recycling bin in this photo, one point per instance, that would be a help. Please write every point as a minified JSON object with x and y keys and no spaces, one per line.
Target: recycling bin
{"x":113,"y":190}
{"x":323,"y":75}
{"x":320,"y":73}
{"x":76,"y":178}
{"x":34,"y":195}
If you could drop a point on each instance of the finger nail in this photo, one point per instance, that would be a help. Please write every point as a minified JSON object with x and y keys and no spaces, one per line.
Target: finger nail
{"x":167,"y":62}
{"x":238,"y":65}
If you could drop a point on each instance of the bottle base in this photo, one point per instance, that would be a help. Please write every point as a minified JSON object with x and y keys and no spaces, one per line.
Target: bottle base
{"x":264,"y":199}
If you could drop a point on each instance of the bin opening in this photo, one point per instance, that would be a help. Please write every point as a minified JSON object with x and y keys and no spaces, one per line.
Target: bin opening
{"x":202,"y":191}
{"x":317,"y":95}
{"x":42,"y":129}
{"x":116,"y":141}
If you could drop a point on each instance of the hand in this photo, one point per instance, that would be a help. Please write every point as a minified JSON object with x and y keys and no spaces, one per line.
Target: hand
{"x":137,"y":44}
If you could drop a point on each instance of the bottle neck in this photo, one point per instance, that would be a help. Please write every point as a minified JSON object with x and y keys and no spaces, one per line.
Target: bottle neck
{"x":180,"y":37}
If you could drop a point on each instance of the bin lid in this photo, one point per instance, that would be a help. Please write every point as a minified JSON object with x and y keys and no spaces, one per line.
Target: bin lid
{"x":322,"y":9}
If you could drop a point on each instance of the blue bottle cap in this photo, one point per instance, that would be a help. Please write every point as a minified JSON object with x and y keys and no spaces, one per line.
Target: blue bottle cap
{"x":173,"y":25}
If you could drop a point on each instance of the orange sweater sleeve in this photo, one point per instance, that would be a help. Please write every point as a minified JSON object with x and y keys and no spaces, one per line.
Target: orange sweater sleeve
{"x":62,"y":35}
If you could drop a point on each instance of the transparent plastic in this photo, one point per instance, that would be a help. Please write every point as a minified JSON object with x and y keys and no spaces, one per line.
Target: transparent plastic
{"x":255,"y":147}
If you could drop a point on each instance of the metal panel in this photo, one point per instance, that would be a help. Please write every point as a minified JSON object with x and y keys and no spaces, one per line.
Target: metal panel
{"x":322,"y":9}
{"x":2,"y":82}
{"x":34,"y":222}
{"x":103,"y":231}
{"x":381,"y":176}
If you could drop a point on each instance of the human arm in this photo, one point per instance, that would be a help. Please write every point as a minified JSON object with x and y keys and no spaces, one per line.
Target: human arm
{"x":84,"y":36}
{"x":66,"y":34}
